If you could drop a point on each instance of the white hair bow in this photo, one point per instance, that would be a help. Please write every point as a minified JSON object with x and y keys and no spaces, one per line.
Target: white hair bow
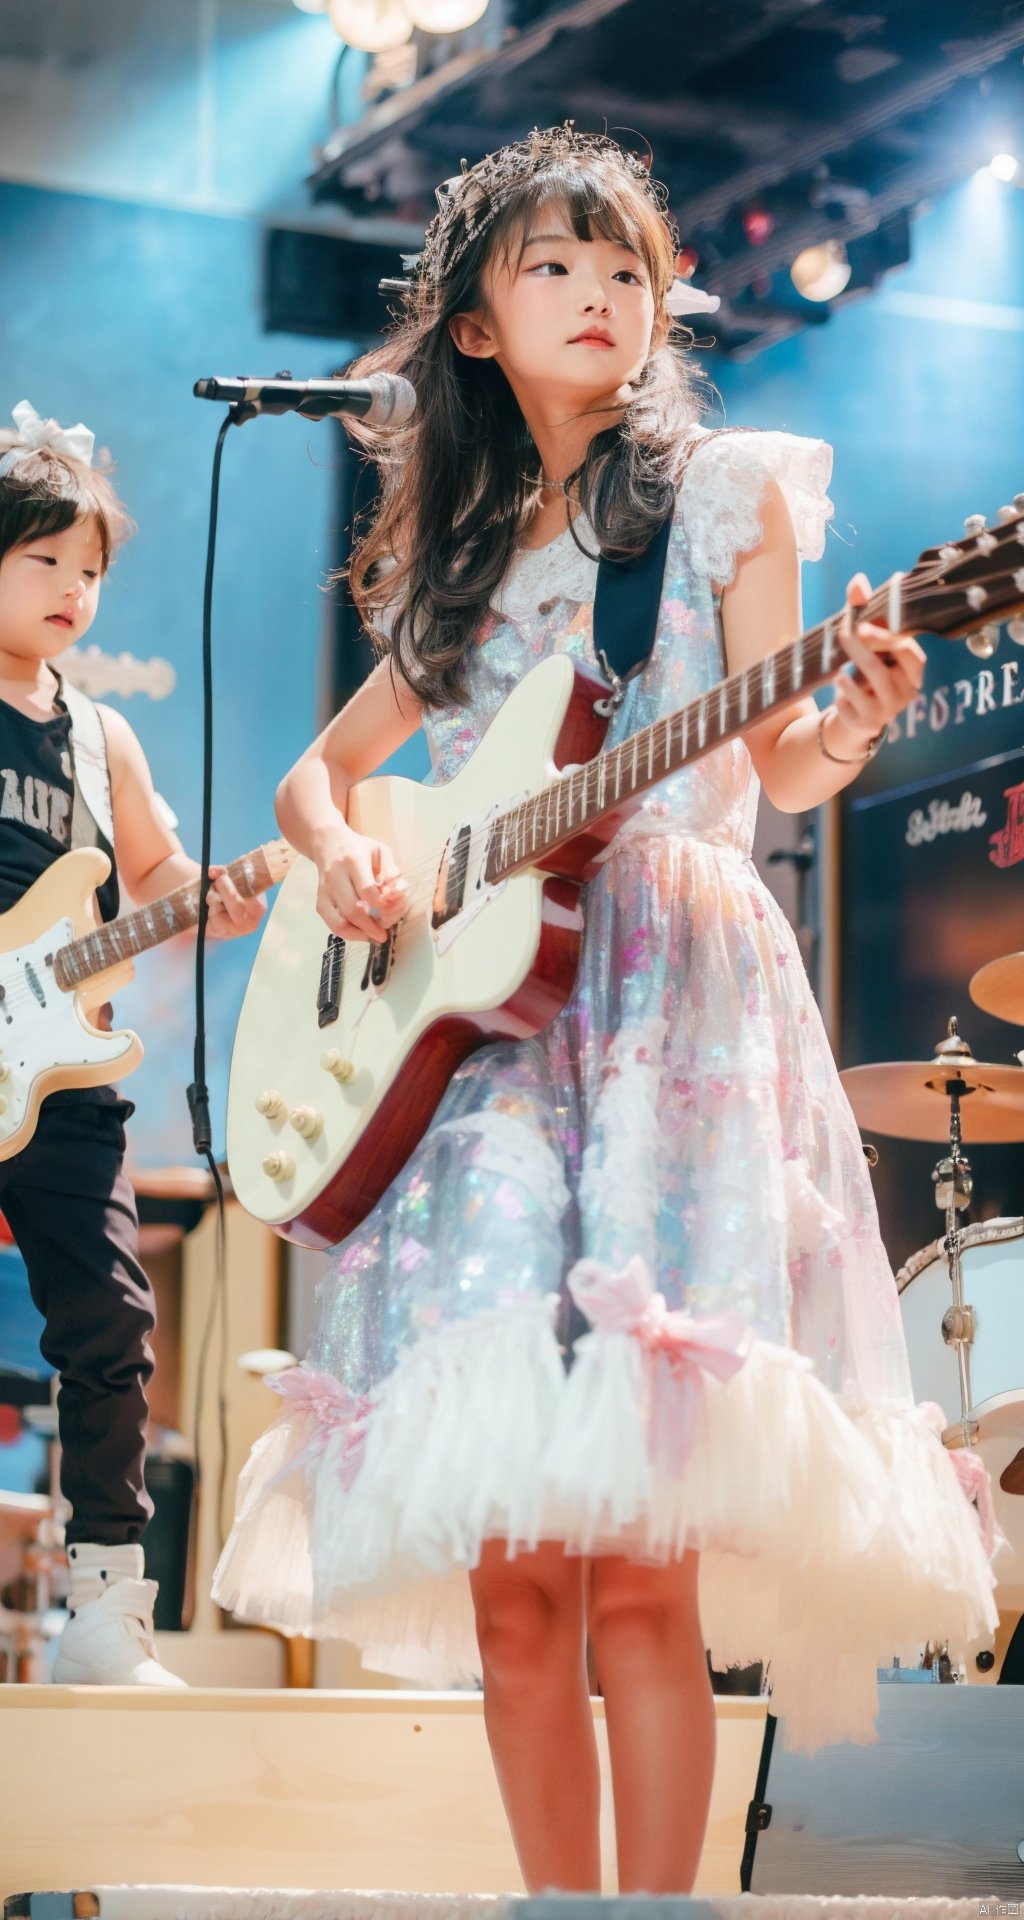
{"x":34,"y":432}
{"x":683,"y":297}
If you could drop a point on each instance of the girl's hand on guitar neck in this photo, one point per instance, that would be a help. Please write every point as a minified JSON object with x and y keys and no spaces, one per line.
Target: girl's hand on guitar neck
{"x":361,"y":894}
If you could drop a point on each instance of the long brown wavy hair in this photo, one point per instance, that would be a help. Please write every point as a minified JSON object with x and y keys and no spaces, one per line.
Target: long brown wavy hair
{"x":456,"y":482}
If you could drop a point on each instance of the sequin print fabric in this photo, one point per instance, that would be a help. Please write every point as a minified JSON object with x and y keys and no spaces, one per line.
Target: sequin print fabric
{"x":675,"y":1108}
{"x":628,"y":1295}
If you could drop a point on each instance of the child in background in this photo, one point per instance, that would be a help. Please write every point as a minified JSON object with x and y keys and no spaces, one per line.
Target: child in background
{"x":66,"y":1196}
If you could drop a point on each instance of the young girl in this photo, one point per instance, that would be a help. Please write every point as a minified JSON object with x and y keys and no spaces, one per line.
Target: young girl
{"x":66,"y":1196}
{"x":624,"y":1326}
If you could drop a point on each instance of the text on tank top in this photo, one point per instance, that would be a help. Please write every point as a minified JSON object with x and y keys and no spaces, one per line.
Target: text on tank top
{"x":37,"y":793}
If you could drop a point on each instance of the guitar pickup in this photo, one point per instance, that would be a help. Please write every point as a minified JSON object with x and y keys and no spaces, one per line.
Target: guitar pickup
{"x":332,"y":974}
{"x":450,"y":892}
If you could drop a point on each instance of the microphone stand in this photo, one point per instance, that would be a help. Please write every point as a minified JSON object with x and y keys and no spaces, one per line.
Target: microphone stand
{"x":199,"y":1092}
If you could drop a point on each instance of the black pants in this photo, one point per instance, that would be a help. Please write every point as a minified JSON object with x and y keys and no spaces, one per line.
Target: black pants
{"x":71,"y":1210}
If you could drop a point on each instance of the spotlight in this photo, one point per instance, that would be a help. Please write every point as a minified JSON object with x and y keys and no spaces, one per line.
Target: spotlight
{"x":1005,"y":166}
{"x":820,"y":272}
{"x":445,"y":16}
{"x":372,"y":26}
{"x":758,"y":225}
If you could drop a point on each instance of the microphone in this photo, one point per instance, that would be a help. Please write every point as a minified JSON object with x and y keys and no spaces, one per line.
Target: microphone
{"x":384,"y":400}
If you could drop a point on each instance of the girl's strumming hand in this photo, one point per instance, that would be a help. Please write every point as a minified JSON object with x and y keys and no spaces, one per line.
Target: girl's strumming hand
{"x":889,"y":669}
{"x":361,"y":893}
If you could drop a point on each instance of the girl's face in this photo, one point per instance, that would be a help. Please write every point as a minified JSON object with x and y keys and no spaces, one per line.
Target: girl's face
{"x":567,"y":320}
{"x":49,"y":591}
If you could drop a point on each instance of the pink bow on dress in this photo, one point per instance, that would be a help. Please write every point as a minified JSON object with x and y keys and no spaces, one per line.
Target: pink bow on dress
{"x":972,"y":1473}
{"x":681,"y":1349}
{"x":334,"y":1409}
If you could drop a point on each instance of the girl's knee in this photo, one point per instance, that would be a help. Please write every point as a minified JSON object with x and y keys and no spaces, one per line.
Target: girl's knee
{"x":523,"y":1624}
{"x":634,"y":1609}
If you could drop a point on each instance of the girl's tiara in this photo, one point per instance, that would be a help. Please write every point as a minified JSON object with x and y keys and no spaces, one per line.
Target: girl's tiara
{"x":469,"y":203}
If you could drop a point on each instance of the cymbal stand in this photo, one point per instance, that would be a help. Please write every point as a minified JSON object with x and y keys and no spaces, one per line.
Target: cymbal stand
{"x":953,"y":1186}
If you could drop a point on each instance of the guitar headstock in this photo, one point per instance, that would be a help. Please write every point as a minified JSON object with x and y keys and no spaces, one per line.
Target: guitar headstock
{"x":968,"y":587}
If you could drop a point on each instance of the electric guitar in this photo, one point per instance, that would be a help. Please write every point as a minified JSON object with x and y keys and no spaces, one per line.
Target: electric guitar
{"x":344,"y":1051}
{"x":57,"y":965}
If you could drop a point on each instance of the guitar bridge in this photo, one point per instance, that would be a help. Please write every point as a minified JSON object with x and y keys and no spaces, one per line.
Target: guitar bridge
{"x":332,"y":974}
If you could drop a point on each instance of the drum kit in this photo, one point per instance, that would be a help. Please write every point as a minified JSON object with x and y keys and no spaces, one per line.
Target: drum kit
{"x":961,"y":1296}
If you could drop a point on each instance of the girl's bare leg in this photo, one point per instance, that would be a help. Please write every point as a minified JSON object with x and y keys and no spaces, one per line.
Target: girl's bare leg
{"x":645,"y":1628}
{"x":530,"y":1626}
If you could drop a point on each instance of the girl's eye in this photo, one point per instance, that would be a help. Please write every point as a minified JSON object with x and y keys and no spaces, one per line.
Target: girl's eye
{"x":91,"y":573}
{"x":627,"y":273}
{"x":44,"y":559}
{"x":543,"y":266}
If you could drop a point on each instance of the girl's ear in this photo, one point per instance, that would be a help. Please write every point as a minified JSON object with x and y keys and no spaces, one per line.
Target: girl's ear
{"x":472,"y":336}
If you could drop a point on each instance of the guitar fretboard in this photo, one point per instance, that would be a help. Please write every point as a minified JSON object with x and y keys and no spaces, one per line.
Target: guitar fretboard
{"x":148,"y":926}
{"x":616,"y":777}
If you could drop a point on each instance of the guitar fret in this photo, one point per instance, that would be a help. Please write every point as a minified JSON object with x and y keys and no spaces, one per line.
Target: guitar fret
{"x":547,"y":815}
{"x":768,"y":681}
{"x":828,"y":644}
{"x":602,"y":771}
{"x":797,"y":659}
{"x":702,"y":719}
{"x":569,"y":816}
{"x":723,"y":706}
{"x":650,"y":753}
{"x":636,"y":749}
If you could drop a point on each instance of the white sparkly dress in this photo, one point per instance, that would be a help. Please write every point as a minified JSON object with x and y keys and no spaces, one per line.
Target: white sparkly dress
{"x":629,"y":1292}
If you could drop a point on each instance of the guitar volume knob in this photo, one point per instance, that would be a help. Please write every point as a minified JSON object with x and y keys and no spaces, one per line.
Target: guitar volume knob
{"x":334,"y":1062}
{"x":307,"y":1121}
{"x":270,"y":1103}
{"x":5,"y":1071}
{"x":279,"y":1166}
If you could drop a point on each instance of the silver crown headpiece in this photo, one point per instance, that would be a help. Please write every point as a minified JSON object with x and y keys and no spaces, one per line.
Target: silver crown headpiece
{"x":472,"y":200}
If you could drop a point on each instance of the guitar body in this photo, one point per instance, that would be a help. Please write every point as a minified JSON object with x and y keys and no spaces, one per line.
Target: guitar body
{"x":47,"y":1040}
{"x":501,"y":969}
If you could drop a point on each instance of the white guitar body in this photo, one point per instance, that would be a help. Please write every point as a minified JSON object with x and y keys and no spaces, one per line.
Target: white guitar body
{"x":446,"y":990}
{"x":47,"y":1039}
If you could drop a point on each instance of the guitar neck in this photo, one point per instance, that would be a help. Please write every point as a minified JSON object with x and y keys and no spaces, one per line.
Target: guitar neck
{"x":615,"y":781}
{"x":174,"y":913}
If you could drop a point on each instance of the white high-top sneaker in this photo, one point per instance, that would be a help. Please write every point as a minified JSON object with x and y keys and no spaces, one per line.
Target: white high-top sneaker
{"x":108,"y":1640}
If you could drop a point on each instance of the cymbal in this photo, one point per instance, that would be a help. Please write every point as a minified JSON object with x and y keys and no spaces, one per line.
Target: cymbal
{"x":999,"y":988}
{"x":909,"y":1099}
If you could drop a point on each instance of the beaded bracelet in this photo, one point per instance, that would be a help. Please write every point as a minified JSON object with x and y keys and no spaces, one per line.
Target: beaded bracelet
{"x":873,"y":744}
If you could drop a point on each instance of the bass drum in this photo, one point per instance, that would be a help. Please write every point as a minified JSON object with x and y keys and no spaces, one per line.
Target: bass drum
{"x":992,"y":1259}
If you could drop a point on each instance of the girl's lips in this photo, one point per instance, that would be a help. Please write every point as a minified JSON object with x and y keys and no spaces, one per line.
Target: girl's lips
{"x":591,"y":340}
{"x":59,"y":620}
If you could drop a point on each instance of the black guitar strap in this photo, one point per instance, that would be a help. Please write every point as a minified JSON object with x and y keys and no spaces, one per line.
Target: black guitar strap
{"x":626,"y":608}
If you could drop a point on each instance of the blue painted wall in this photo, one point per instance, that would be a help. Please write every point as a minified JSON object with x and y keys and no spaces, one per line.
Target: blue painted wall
{"x":108,"y":313}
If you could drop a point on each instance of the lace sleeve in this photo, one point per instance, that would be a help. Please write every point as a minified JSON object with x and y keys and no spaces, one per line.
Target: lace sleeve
{"x":720,"y":497}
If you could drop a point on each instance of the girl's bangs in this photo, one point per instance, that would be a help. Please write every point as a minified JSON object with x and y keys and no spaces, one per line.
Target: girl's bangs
{"x":595,"y":203}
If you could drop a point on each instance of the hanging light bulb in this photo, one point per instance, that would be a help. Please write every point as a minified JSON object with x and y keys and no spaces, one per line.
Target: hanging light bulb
{"x":372,"y":26}
{"x":820,"y":272}
{"x":445,"y":16}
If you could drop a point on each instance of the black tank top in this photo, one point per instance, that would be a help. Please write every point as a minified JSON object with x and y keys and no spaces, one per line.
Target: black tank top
{"x":37,"y":793}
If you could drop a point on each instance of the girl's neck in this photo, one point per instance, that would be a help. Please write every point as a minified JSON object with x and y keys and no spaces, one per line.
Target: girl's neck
{"x":26,"y":671}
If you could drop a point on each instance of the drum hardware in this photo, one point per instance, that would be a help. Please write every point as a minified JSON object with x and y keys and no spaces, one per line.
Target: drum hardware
{"x":1012,"y":1477}
{"x":954,"y":1184}
{"x":898,"y":1097}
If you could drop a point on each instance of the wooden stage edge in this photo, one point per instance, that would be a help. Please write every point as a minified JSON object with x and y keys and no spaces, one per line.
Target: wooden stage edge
{"x":302,"y":1790}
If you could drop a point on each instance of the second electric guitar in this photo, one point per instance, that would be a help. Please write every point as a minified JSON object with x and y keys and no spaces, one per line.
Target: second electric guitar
{"x":57,"y":965}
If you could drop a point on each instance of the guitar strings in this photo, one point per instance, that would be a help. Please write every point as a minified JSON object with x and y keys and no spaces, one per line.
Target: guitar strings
{"x":722,"y":702}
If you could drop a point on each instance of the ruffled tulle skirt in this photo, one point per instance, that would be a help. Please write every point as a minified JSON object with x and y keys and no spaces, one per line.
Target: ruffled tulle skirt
{"x":629,"y":1295}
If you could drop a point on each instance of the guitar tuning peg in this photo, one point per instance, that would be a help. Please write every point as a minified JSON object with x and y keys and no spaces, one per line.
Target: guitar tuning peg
{"x":1018,"y":501}
{"x":1015,"y":629}
{"x":983,"y":642}
{"x":974,"y":523}
{"x":949,"y":554}
{"x":1007,"y":513}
